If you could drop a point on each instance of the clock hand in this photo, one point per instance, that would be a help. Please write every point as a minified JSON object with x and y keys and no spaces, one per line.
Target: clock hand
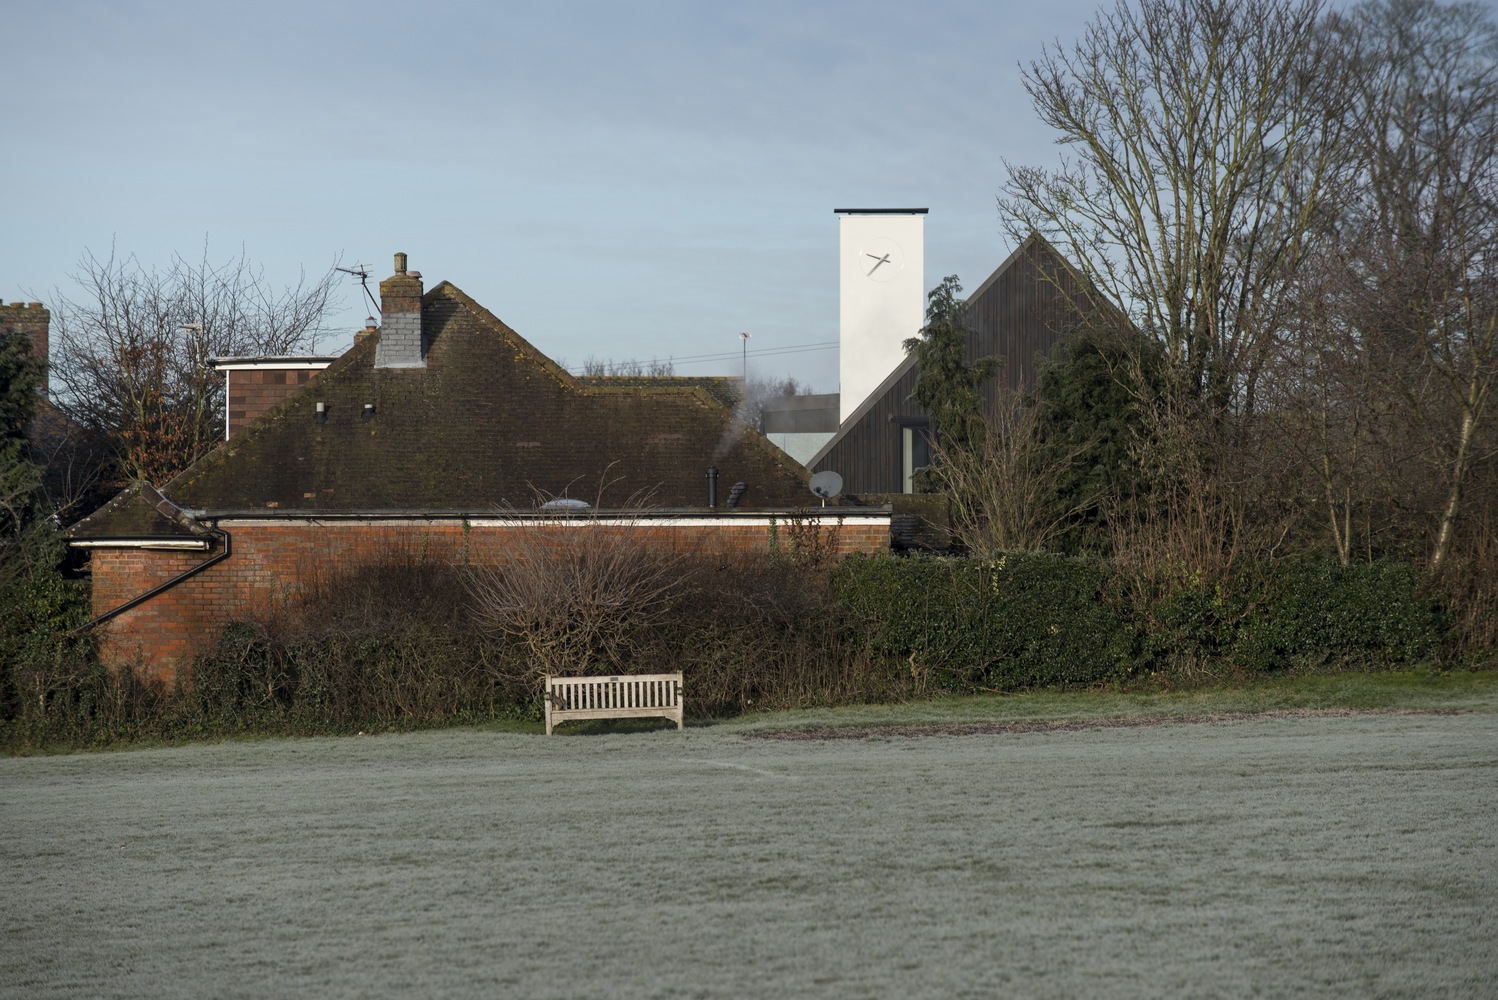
{"x":877,"y":261}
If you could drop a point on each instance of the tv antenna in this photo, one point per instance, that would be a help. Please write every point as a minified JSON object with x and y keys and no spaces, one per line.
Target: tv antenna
{"x":361,"y":271}
{"x":826,"y":485}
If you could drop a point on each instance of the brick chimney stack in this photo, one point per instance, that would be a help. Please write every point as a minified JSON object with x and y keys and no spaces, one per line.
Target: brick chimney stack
{"x":370,"y":329}
{"x":402,"y":341}
{"x":33,"y":321}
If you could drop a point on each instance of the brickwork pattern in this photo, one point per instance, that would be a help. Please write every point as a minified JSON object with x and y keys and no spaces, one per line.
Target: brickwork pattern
{"x":271,"y":561}
{"x":28,"y":319}
{"x":256,"y":391}
{"x":400,"y":343}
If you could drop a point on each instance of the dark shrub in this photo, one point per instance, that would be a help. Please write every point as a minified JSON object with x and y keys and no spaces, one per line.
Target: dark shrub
{"x":1316,"y":614}
{"x":1183,"y":626}
{"x":765,"y":632}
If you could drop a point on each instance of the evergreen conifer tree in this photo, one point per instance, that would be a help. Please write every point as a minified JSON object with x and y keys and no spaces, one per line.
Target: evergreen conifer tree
{"x":946,"y":384}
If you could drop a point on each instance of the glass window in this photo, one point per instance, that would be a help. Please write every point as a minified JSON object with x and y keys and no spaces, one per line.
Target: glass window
{"x":915,"y":451}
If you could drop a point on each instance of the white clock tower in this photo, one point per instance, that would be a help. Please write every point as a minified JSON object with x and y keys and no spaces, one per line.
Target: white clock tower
{"x":882,"y":294}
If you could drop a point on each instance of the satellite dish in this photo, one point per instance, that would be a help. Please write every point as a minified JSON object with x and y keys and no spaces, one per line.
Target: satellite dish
{"x":826,"y":485}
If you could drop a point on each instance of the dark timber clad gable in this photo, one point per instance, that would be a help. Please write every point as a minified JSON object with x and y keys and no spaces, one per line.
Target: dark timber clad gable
{"x":867,"y":449}
{"x":1029,"y":303}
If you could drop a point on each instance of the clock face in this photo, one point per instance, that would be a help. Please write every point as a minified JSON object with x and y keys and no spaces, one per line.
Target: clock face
{"x":881,"y":259}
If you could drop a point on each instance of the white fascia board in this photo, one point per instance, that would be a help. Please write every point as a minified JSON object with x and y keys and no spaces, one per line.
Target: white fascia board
{"x":284,"y":364}
{"x":811,"y":513}
{"x":186,"y":544}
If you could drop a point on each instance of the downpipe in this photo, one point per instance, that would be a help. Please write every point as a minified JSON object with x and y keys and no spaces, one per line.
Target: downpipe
{"x":168,"y":585}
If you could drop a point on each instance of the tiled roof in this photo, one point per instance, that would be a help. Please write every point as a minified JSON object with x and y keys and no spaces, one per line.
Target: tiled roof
{"x":489,"y":422}
{"x":138,"y":513}
{"x":727,"y":389}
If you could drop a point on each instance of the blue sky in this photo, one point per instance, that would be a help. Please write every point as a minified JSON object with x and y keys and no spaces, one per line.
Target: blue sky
{"x":626,"y":180}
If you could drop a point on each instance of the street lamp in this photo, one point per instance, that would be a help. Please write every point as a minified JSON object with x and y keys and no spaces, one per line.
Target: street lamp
{"x":744,"y":338}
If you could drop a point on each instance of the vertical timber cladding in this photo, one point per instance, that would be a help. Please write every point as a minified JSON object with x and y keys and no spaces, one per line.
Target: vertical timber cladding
{"x":1026,"y":306}
{"x":868,"y":454}
{"x":274,"y":559}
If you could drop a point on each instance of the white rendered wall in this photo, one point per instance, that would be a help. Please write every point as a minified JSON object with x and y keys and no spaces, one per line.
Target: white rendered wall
{"x":882,"y":289}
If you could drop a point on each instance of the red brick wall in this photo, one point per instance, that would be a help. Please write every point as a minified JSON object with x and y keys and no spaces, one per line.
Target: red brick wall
{"x":255,"y":391}
{"x":270,"y":559}
{"x":28,"y":319}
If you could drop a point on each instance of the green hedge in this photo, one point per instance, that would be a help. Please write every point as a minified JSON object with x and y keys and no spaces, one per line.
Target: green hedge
{"x":404,"y":674}
{"x":1021,"y":620}
{"x":1318,"y":614}
{"x":52,"y":689}
{"x":394,"y":646}
{"x":1034,"y":619}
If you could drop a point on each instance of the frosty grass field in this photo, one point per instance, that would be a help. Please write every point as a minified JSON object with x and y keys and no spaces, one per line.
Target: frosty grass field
{"x":1329,"y":856}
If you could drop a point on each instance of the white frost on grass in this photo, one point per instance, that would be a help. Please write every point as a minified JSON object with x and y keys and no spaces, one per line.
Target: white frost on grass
{"x":743,"y":767}
{"x":1345,"y":856}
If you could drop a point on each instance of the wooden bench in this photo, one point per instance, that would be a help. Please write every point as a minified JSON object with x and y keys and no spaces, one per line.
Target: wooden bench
{"x":633,"y":696}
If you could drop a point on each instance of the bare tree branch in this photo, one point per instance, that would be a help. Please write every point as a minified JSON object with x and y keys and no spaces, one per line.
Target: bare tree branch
{"x":131,"y":349}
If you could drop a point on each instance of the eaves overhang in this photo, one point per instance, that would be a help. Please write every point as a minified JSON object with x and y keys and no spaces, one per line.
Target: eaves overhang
{"x":491,"y":515}
{"x":296,"y":361}
{"x":180,"y":544}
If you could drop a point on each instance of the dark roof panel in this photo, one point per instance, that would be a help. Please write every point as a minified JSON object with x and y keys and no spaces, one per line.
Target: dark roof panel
{"x":490,"y":421}
{"x":139,"y":513}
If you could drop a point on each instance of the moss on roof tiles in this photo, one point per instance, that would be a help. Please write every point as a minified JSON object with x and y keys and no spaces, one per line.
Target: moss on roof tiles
{"x":727,"y":389}
{"x":489,"y":421}
{"x":137,"y":513}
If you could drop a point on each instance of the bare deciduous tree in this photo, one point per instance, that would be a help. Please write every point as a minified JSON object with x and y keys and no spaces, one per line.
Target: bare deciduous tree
{"x":1297,"y":202}
{"x":575,"y":585}
{"x":760,"y":389}
{"x":1005,"y":485}
{"x":1416,"y":272}
{"x":1198,"y":159}
{"x":131,"y":349}
{"x":594,"y":366}
{"x":1390,"y":362}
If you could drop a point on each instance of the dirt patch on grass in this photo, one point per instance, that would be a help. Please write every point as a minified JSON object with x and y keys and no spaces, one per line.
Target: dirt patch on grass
{"x":1071,"y":725}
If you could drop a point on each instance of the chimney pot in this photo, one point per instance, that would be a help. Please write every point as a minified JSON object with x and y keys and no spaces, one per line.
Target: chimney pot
{"x":400,"y":263}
